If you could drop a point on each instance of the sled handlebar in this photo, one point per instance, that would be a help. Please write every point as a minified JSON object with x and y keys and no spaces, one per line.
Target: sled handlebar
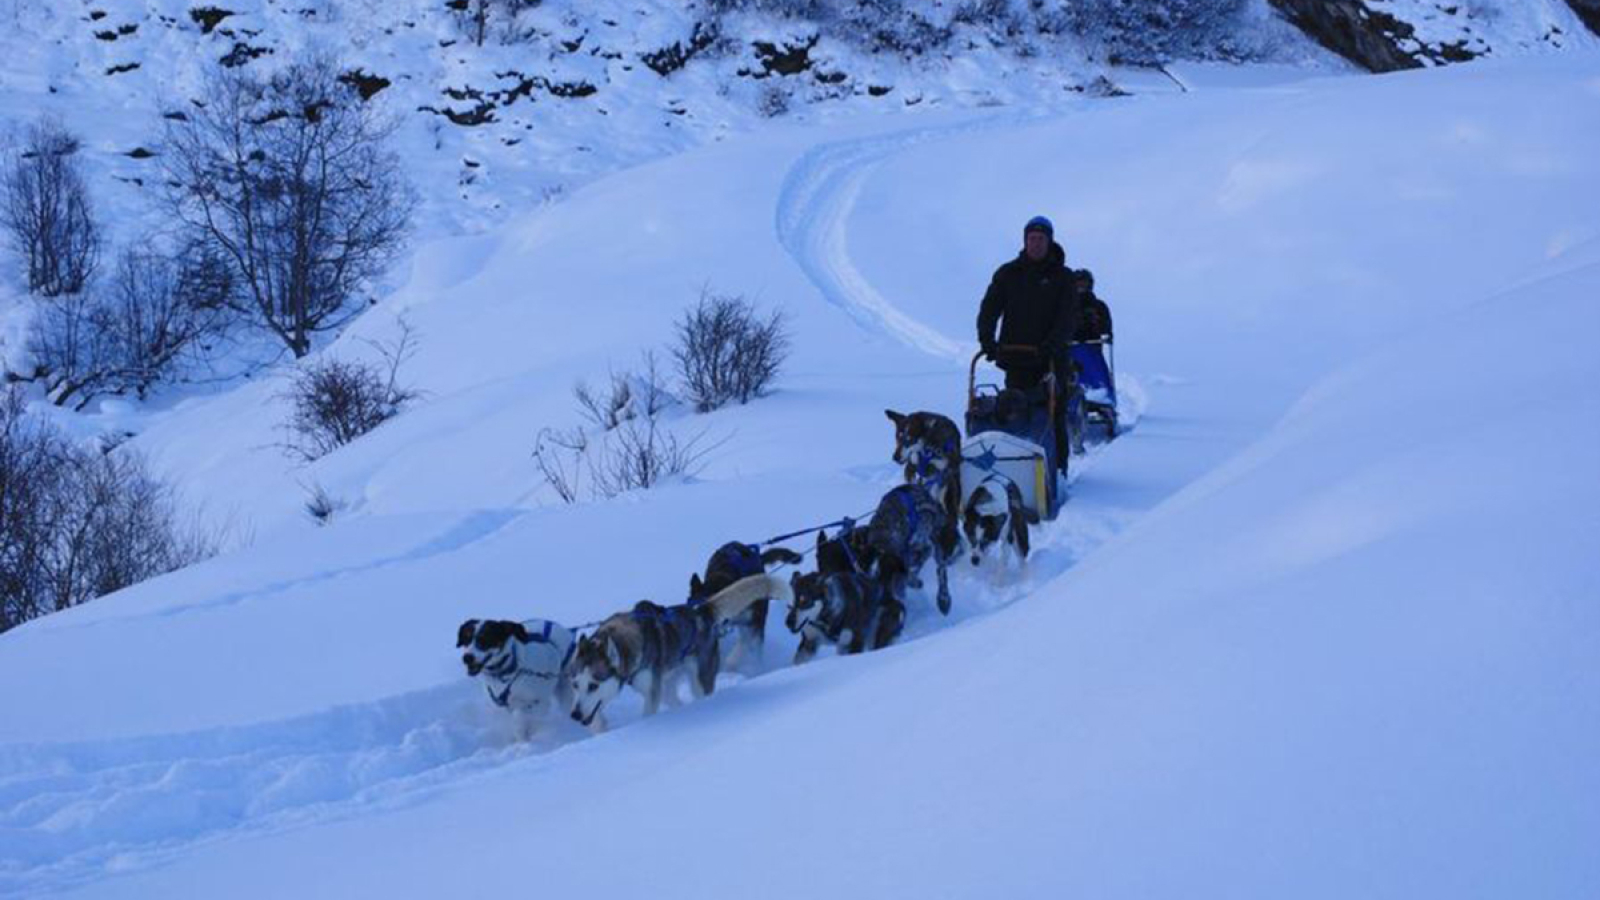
{"x":1013,"y":350}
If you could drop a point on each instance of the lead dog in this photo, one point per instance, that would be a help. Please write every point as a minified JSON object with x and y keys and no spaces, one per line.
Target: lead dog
{"x":847,"y":609}
{"x":654,"y":648}
{"x":994,"y":513}
{"x":748,"y":630}
{"x":929,"y":446}
{"x":522,"y":665}
{"x":908,"y":529}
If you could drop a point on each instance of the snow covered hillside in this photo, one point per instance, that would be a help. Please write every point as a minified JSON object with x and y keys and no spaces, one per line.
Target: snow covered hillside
{"x":1322,"y":624}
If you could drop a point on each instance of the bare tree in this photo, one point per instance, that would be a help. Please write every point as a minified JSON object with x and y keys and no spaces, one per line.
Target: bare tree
{"x":47,"y":211}
{"x":288,"y":177}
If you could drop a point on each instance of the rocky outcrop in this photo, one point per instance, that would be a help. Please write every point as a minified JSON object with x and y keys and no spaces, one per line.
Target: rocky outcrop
{"x":1352,"y":30}
{"x":1588,"y":11}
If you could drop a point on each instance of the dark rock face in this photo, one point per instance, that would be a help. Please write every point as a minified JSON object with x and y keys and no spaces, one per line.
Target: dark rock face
{"x":1352,"y":30}
{"x":1588,"y":11}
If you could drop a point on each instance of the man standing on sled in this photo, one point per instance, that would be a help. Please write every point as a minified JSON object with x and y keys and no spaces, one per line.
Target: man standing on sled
{"x":1034,"y":299}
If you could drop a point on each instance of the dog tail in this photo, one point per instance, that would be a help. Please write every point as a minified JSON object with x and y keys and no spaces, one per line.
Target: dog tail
{"x":780,"y":555}
{"x":742,"y":594}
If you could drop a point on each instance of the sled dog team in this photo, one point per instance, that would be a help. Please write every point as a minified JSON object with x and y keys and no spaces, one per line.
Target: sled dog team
{"x":854,"y":600}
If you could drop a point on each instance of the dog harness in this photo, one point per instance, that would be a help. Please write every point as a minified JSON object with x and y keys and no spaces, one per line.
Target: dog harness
{"x":925,"y":466}
{"x":673,"y":617}
{"x":512,"y":666}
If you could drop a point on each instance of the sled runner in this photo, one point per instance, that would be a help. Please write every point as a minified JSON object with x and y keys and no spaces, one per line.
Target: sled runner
{"x":1011,"y":432}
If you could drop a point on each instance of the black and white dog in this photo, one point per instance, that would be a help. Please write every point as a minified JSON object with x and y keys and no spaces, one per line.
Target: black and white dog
{"x":654,"y":649}
{"x":522,"y":665}
{"x":847,"y":609}
{"x":994,"y":513}
{"x":929,"y":446}
{"x":908,"y":529}
{"x":748,"y":630}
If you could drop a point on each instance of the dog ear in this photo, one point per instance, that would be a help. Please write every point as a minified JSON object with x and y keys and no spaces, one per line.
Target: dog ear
{"x":894,"y":417}
{"x":696,"y":586}
{"x":613,"y":655}
{"x":464,"y":633}
{"x":822,"y":538}
{"x":520,"y":633}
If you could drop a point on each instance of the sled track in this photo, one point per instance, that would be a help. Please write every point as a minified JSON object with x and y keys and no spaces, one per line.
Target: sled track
{"x":814,"y":207}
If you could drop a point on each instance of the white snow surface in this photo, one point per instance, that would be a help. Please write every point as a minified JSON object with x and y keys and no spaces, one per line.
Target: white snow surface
{"x":1321,"y":624}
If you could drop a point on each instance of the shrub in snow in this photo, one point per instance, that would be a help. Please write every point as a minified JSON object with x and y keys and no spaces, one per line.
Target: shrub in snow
{"x":631,"y":447}
{"x":287,"y":175}
{"x":726,"y":352}
{"x":320,"y":505}
{"x":774,"y":101}
{"x":625,"y":395}
{"x":334,"y":401}
{"x":45,"y":207}
{"x":77,"y":523}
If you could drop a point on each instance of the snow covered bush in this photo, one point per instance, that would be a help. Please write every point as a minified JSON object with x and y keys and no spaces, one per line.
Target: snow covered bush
{"x":77,"y":523}
{"x":289,"y":176}
{"x":44,"y":204}
{"x":334,"y":401}
{"x":725,"y":351}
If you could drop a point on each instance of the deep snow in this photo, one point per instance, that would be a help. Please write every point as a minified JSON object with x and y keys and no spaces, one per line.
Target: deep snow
{"x":1321,"y":624}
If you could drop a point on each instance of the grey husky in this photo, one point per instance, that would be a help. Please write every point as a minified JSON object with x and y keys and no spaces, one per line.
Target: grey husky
{"x":908,"y":529}
{"x":655,"y":648}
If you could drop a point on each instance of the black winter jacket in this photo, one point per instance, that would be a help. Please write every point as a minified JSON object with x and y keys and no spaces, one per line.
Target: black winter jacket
{"x":1034,"y":303}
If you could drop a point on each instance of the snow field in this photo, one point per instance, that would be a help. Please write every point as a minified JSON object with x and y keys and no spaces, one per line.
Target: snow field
{"x":1320,"y":626}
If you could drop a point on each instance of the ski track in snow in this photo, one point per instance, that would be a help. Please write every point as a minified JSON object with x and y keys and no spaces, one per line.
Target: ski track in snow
{"x":814,"y":206}
{"x":73,"y":813}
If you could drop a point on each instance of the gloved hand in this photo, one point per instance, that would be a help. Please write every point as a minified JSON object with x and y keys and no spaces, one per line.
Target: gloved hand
{"x":990,"y":349}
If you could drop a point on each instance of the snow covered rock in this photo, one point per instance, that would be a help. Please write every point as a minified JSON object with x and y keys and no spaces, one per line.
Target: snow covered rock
{"x":1387,"y":35}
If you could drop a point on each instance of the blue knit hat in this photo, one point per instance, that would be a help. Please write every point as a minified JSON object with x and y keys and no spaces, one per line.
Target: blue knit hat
{"x":1039,"y":223}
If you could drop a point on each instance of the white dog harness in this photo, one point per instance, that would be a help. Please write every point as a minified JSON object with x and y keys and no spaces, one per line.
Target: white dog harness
{"x":529,"y":672}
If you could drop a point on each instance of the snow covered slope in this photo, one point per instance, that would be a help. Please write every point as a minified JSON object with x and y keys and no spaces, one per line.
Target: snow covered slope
{"x":1320,"y":625}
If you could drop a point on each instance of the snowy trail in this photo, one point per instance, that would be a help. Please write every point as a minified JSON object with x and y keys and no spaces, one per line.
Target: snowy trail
{"x":70,"y":813}
{"x":814,"y":207}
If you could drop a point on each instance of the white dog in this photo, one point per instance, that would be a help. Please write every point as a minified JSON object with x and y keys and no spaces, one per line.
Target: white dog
{"x":523,"y":665}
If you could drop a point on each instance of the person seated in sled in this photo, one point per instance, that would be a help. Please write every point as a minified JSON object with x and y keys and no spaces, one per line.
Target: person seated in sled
{"x":1034,"y":301}
{"x":1095,"y":380}
{"x":1095,"y":321}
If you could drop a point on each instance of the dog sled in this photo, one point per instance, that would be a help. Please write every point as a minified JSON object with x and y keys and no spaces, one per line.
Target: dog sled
{"x":1097,"y":382}
{"x":1012,"y":433}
